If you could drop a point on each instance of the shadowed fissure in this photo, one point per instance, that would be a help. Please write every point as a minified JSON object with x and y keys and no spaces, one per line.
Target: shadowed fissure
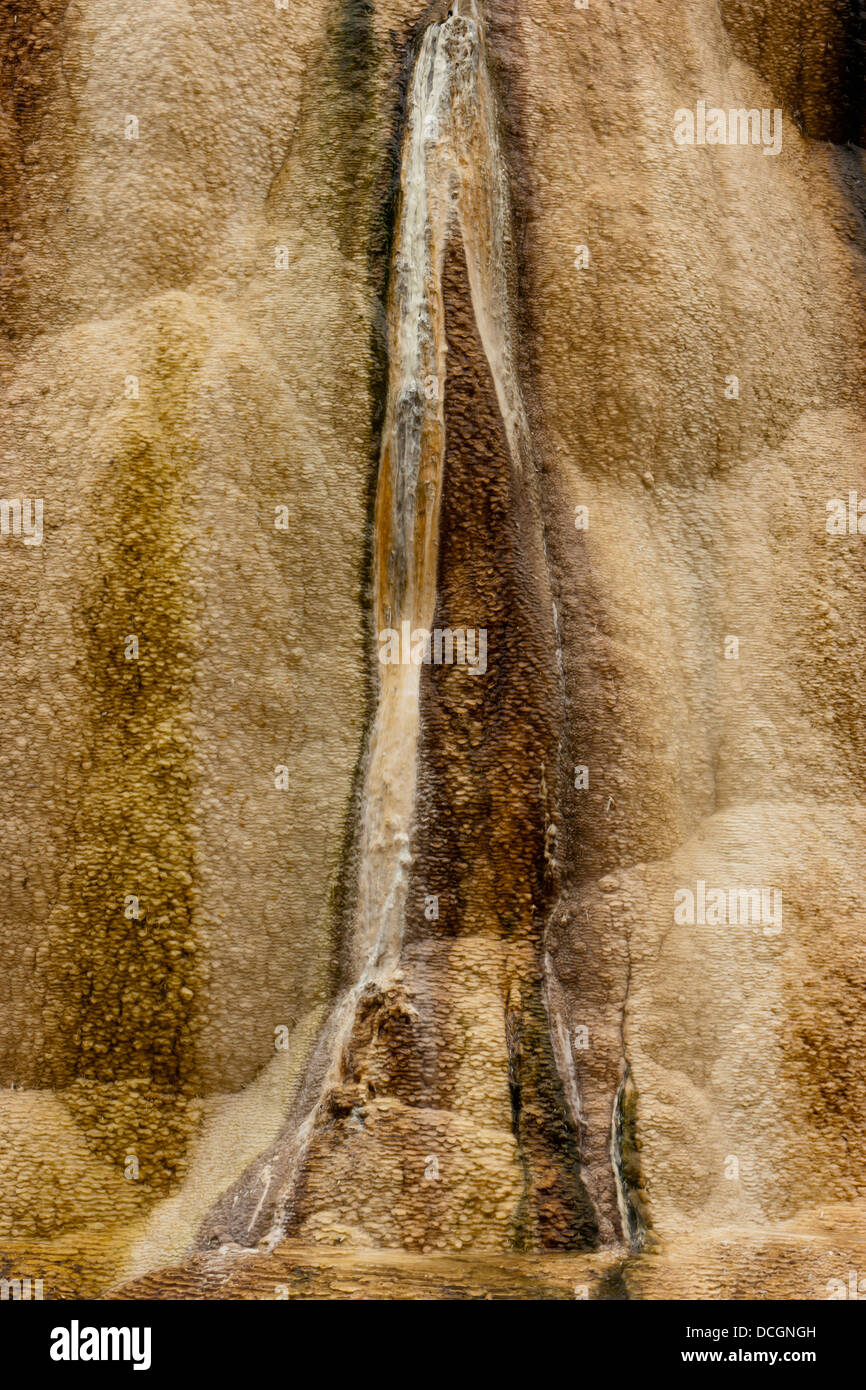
{"x":432,"y":1114}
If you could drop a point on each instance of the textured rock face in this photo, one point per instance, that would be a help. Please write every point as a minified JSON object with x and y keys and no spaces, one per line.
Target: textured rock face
{"x":707,"y":520}
{"x":631,"y":1028}
{"x":206,"y":495}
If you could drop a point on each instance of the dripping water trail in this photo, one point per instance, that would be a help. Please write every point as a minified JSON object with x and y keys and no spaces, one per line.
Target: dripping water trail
{"x":453,"y":191}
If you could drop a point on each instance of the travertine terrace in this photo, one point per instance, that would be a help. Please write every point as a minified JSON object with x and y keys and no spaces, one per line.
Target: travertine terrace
{"x":374,"y":977}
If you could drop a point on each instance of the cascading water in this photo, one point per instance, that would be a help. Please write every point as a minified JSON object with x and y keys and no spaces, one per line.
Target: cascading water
{"x":452,"y":180}
{"x":453,"y":185}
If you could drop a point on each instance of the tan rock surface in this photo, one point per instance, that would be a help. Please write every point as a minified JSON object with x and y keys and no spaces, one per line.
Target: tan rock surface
{"x":656,"y":1057}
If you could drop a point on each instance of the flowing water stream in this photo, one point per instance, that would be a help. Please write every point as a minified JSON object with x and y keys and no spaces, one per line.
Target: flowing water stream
{"x":453,"y":184}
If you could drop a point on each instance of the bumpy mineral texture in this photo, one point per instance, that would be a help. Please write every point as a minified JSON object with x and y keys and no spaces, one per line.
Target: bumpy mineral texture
{"x":327,"y":969}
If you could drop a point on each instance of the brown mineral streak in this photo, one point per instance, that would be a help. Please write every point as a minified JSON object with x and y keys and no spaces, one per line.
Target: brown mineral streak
{"x":435,"y":1126}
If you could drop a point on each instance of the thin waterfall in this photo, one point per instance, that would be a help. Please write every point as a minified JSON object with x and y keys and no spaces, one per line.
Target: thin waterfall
{"x":453,"y":182}
{"x":452,"y":179}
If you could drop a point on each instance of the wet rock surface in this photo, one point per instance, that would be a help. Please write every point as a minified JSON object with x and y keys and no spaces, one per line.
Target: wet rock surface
{"x":594,"y":1063}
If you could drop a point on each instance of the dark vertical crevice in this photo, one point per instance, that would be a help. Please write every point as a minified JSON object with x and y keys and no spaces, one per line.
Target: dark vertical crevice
{"x":626,"y":1160}
{"x":32,"y":37}
{"x":580,"y":844}
{"x":488,"y":745}
{"x":349,"y":96}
